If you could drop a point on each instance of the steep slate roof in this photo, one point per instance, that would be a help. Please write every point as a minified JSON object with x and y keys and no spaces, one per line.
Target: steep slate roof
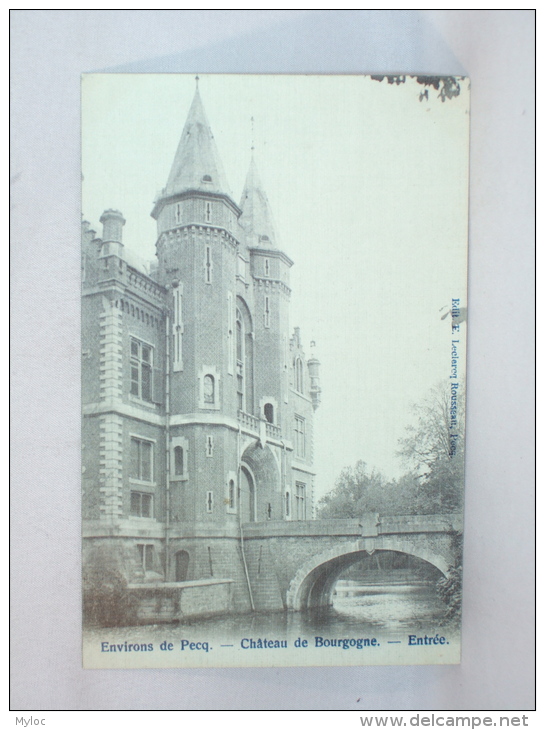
{"x":256,"y":216}
{"x":197,"y":156}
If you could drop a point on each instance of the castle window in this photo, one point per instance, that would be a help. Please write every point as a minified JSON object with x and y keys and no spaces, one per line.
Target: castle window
{"x":141,"y":460}
{"x":268,"y":410}
{"x":287,"y":507}
{"x":232,"y":494}
{"x":146,"y":553}
{"x":240,"y":392}
{"x":267,"y":268}
{"x":141,"y":370}
{"x":299,"y":375}
{"x":300,"y":501}
{"x":267,"y":314}
{"x":209,"y":389}
{"x":179,"y":450}
{"x":210,"y":446}
{"x":210,"y":502}
{"x":178,"y":461}
{"x":230,"y":334}
{"x":141,"y":504}
{"x":240,"y":360}
{"x":208,"y":212}
{"x":178,"y":213}
{"x":240,"y":337}
{"x":177,"y":329}
{"x":244,"y":357}
{"x":299,"y":436}
{"x":208,"y":265}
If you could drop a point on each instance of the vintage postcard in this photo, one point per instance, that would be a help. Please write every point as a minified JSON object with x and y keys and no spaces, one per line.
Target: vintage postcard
{"x":273,"y":354}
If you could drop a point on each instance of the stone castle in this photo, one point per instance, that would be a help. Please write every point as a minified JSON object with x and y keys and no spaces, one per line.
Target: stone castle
{"x":198,"y":400}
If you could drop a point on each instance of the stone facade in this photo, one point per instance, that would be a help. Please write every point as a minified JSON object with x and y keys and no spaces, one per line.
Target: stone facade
{"x":198,"y":401}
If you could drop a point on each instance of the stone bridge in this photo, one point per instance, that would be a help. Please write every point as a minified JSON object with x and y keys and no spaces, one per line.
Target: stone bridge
{"x":294,"y":565}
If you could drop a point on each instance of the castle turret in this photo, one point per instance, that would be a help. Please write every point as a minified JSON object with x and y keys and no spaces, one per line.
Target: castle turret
{"x":256,"y":218}
{"x":269,"y":268}
{"x":197,"y":190}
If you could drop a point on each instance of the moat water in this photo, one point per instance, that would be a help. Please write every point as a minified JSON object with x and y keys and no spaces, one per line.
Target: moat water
{"x":389,"y":603}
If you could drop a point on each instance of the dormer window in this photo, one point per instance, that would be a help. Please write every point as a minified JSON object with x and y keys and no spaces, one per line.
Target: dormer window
{"x":206,"y":178}
{"x":264,"y":238}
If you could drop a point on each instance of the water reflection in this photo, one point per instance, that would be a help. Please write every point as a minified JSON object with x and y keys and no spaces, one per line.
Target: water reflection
{"x":388,"y":603}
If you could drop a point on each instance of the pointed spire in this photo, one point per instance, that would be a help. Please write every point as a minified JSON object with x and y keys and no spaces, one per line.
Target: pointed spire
{"x":197,"y":165}
{"x":256,"y":216}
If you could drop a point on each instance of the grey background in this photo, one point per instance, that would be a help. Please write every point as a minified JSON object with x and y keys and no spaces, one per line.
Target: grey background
{"x":50,"y":49}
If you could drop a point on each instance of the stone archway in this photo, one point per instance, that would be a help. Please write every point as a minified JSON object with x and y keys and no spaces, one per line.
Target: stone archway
{"x":260,"y":485}
{"x":312,"y":585}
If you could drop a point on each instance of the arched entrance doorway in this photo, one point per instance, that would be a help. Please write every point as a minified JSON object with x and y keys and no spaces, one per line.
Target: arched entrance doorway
{"x":260,"y":496}
{"x":181,"y":565}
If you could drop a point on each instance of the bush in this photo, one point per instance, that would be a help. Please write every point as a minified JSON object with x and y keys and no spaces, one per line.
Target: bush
{"x":106,"y":600}
{"x":450,"y":591}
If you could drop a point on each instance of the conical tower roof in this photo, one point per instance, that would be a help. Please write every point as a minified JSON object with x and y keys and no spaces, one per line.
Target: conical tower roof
{"x":197,"y":165}
{"x":257,"y":218}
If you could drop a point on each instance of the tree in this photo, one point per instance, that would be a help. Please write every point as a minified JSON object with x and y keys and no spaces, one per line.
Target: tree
{"x":353,"y":493}
{"x":357,"y":491}
{"x":434,"y":448}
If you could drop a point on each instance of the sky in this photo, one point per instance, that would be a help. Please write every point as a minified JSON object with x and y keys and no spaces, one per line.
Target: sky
{"x":368,"y":187}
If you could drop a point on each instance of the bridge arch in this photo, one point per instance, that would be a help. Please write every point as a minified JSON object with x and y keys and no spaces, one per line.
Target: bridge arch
{"x":312,"y":585}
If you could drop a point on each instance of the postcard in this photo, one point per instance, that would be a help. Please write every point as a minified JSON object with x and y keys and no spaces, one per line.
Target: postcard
{"x":274,"y":281}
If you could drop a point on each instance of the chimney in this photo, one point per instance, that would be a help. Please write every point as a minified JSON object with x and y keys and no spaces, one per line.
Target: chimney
{"x":112,"y":233}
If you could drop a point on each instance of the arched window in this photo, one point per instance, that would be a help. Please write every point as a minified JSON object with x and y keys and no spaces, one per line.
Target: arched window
{"x":182,"y":565}
{"x":268,"y":410}
{"x":244,"y":349}
{"x":240,"y":337}
{"x":299,"y":375}
{"x":178,"y":461}
{"x":209,"y":389}
{"x":240,"y":360}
